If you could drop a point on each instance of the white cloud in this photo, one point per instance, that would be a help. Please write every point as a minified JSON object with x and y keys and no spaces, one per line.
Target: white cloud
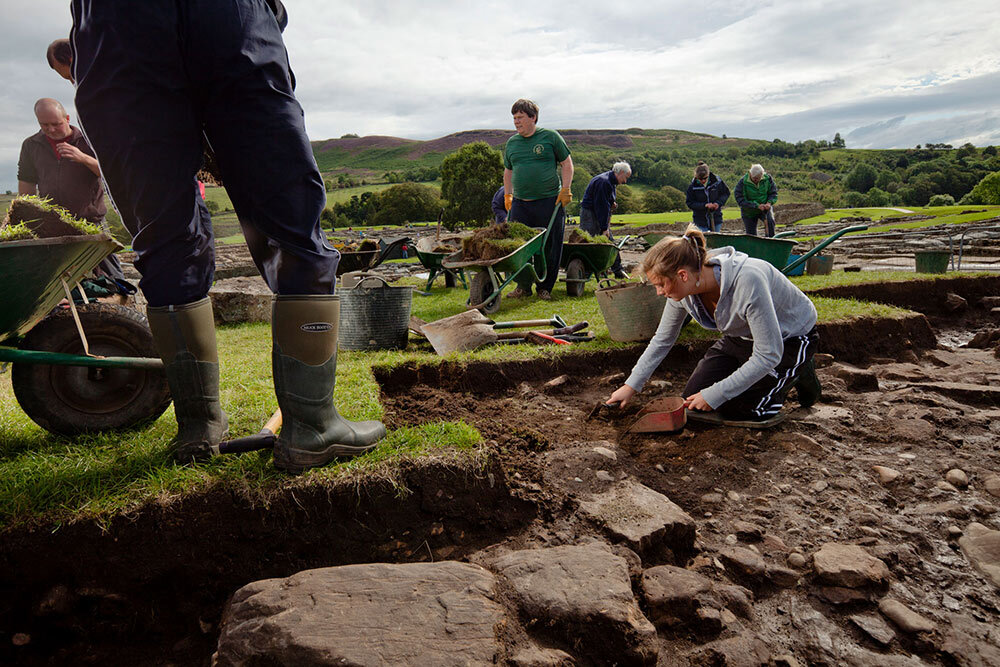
{"x":776,"y":68}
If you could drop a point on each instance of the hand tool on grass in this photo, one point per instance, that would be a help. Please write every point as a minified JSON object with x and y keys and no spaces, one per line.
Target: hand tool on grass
{"x":471,"y":329}
{"x":262,"y":440}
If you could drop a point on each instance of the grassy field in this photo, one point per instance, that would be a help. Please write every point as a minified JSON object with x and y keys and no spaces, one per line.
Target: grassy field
{"x":50,"y":478}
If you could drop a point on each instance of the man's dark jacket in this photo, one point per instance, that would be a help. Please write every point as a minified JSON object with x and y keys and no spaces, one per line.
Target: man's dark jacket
{"x":67,"y":183}
{"x":715,"y":191}
{"x":599,"y":197}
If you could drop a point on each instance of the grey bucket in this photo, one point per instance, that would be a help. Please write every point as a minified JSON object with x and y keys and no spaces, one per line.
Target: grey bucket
{"x":632,"y":311}
{"x":374,"y":315}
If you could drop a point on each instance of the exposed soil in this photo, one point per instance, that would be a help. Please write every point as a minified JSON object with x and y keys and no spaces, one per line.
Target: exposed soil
{"x":150,"y":587}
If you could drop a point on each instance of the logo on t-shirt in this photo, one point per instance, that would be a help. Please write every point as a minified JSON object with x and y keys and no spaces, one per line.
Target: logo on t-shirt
{"x":538,"y":149}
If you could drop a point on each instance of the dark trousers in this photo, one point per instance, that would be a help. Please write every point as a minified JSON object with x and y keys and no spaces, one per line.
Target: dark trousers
{"x":766,"y":396}
{"x":590,"y":224}
{"x":155,"y":77}
{"x":537,"y":213}
{"x":751,"y":216}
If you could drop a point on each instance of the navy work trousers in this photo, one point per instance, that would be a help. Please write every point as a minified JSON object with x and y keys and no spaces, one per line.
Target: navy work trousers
{"x":752,"y":216}
{"x":537,"y":213}
{"x":590,"y":224}
{"x":155,"y":77}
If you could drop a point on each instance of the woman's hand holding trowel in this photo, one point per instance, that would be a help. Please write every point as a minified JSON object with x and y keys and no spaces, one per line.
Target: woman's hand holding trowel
{"x":621,"y":396}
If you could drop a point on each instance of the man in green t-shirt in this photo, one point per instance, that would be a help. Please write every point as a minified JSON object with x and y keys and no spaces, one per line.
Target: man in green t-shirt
{"x":537,"y":174}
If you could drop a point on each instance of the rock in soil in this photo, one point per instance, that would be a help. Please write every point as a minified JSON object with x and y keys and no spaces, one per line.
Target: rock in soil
{"x":371,"y":614}
{"x":584,"y":594}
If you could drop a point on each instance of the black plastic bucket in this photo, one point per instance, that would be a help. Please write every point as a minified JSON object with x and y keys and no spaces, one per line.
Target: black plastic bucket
{"x":375,"y":315}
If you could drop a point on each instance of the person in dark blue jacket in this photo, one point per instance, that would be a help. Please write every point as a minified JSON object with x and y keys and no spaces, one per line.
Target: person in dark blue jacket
{"x":498,"y":206}
{"x":154,"y":78}
{"x":706,"y":196}
{"x":599,"y":202}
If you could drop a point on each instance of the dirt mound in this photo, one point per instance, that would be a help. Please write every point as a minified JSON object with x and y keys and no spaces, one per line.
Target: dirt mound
{"x":578,"y":236}
{"x":495,"y":241}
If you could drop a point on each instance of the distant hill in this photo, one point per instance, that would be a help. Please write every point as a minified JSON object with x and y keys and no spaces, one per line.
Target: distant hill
{"x":822,"y":170}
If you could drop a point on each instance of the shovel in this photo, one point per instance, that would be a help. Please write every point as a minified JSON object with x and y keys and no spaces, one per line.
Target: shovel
{"x":471,"y":329}
{"x":263,"y":440}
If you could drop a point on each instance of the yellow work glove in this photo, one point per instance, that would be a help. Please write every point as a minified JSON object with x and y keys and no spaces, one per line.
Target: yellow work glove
{"x":508,"y":201}
{"x":565,"y":197}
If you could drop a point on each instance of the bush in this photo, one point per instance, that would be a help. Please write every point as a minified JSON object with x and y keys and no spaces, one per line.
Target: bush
{"x":861,"y":178}
{"x":469,"y":178}
{"x":876,"y":197}
{"x":406,"y":202}
{"x":665,"y":199}
{"x":941,"y":200}
{"x":987,"y":191}
{"x":212,"y":206}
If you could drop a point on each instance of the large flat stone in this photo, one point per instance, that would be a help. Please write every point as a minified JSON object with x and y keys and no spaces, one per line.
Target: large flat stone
{"x":678,"y":597}
{"x":641,"y":517}
{"x":981,"y":546}
{"x":584,"y":593}
{"x":374,"y":614}
{"x":849,"y":566}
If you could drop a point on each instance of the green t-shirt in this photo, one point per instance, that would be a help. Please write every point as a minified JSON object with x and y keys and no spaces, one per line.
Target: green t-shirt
{"x":535,"y":163}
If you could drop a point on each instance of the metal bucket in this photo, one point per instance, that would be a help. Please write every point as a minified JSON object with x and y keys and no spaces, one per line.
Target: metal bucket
{"x":932,"y":261}
{"x":374,"y":315}
{"x":632,"y":311}
{"x":819,"y":265}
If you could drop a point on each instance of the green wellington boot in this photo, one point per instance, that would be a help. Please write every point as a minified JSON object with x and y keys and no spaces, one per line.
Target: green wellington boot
{"x":807,"y":387}
{"x":185,"y":338}
{"x":304,"y":361}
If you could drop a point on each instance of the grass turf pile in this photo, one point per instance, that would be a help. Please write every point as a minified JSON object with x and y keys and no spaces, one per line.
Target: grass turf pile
{"x":365,"y":246}
{"x":496,"y":241}
{"x":15,"y":233}
{"x":46,"y":220}
{"x":580,"y":236}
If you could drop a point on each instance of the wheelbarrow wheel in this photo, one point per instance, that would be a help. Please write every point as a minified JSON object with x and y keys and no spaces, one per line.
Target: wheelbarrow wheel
{"x":481,"y":289}
{"x":70,"y":400}
{"x":575,"y":271}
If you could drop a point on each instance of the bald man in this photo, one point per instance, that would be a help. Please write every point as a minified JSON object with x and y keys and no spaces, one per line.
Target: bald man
{"x":58,"y":163}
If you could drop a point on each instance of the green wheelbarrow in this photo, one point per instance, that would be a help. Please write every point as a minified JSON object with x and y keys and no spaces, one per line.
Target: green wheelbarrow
{"x":584,"y":260}
{"x":775,"y":250}
{"x":432,"y":260}
{"x":83,"y":368}
{"x":492,"y":276}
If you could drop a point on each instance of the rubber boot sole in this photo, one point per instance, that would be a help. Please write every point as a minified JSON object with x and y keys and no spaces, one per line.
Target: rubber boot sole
{"x":297,"y":461}
{"x":716,"y":419}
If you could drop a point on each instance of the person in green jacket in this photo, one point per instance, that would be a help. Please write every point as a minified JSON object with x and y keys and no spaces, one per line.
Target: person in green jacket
{"x":756,"y":193}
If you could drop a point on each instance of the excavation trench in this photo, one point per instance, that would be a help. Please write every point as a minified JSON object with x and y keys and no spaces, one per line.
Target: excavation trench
{"x":149,"y":588}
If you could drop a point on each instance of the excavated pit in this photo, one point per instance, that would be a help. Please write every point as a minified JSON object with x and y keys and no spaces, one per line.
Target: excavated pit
{"x":149,"y":588}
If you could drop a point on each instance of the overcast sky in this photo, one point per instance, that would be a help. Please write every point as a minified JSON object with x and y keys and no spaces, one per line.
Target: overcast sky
{"x":885,"y":73}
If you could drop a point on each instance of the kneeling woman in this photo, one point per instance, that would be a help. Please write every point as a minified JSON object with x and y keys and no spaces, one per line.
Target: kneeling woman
{"x":768,"y":327}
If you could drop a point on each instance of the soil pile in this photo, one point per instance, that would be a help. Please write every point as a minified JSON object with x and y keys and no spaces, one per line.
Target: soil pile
{"x":364,"y":246}
{"x":496,"y":241}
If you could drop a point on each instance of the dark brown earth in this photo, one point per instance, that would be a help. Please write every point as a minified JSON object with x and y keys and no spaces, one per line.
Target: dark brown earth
{"x":149,"y":588}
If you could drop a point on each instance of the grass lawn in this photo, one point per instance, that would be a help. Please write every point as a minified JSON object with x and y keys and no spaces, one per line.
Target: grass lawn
{"x":46,"y":477}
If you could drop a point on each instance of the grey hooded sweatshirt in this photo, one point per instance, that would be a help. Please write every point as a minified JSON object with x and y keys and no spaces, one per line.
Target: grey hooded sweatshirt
{"x":756,"y":302}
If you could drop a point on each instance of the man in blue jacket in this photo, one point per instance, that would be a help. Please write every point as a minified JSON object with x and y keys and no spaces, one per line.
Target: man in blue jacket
{"x":706,"y":196}
{"x":598,"y":203}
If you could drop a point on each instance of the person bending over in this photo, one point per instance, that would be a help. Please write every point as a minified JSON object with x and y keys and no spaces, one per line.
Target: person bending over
{"x":768,"y":326}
